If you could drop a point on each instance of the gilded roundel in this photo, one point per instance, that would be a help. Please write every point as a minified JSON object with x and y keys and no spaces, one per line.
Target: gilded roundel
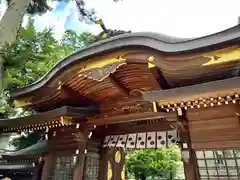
{"x":118,"y":157}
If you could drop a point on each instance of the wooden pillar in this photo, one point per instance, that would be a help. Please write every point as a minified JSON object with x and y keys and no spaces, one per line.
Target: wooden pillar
{"x":190,"y":167}
{"x":82,"y":138}
{"x":112,"y":164}
{"x":38,"y":170}
{"x":49,"y":166}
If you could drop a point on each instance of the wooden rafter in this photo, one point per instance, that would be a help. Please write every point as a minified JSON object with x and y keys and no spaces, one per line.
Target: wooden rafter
{"x":68,"y":92}
{"x":118,"y":85}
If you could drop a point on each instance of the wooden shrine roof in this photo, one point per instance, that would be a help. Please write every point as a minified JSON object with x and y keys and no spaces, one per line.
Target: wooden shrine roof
{"x":27,"y":166}
{"x":199,"y":95}
{"x":113,"y":74}
{"x":159,"y":43}
{"x":58,"y":117}
{"x":30,"y":152}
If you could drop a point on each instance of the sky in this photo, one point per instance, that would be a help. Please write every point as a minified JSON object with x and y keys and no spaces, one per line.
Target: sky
{"x":180,"y":18}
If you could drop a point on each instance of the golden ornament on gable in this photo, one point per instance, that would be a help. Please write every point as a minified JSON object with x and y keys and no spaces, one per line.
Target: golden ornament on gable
{"x":150,"y":62}
{"x":222,"y":56}
{"x":23,"y":102}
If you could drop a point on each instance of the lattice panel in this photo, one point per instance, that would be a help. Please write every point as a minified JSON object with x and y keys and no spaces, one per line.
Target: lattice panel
{"x":219,"y":165}
{"x":64,"y":168}
{"x":143,"y":140}
{"x":91,"y":171}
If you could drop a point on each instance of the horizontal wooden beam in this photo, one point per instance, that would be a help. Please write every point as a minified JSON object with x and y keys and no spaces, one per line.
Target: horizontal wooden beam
{"x":217,"y":145}
{"x":127,"y":129}
{"x":171,"y":116}
{"x":188,"y":93}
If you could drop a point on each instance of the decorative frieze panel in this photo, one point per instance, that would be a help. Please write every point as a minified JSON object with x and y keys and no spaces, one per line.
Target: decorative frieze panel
{"x":143,"y":140}
{"x":207,"y":102}
{"x":122,"y":108}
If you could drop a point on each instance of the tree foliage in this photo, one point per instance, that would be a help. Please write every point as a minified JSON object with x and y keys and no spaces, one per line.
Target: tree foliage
{"x":31,"y":56}
{"x":34,"y":53}
{"x":155,"y":163}
{"x":27,"y":59}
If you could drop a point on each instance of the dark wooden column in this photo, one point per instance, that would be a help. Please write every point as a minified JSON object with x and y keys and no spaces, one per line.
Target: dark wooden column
{"x":38,"y":170}
{"x":190,"y":167}
{"x":49,"y":166}
{"x":82,"y":138}
{"x":112,"y":164}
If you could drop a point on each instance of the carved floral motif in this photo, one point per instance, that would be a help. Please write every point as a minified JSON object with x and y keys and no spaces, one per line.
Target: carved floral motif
{"x":99,"y":74}
{"x":125,"y":109}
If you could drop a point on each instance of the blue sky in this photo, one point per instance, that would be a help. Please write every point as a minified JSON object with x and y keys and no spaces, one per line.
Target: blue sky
{"x":181,"y":18}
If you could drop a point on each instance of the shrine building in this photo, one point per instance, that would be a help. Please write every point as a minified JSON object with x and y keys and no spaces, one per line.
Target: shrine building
{"x":133,"y":91}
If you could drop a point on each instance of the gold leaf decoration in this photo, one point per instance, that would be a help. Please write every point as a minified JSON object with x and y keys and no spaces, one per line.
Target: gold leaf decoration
{"x":99,"y":74}
{"x":222,"y":56}
{"x":109,"y":171}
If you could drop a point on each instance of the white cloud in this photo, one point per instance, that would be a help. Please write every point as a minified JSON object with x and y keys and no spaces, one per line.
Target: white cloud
{"x":184,"y":18}
{"x":50,"y":20}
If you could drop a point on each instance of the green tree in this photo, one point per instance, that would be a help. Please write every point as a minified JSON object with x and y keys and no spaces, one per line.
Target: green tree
{"x":30,"y":56}
{"x":73,"y":41}
{"x":27,"y":59}
{"x":155,"y":163}
{"x":12,"y":20}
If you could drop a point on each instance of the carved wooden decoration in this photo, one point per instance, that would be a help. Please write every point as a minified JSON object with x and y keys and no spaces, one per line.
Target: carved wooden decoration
{"x":143,"y":140}
{"x":222,"y":56}
{"x":78,"y":136}
{"x":99,"y":74}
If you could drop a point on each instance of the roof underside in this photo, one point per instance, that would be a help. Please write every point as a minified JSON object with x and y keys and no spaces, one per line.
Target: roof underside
{"x":122,"y":67}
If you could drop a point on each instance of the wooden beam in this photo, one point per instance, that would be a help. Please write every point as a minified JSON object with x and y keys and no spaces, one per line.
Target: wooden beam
{"x":80,"y":157}
{"x":187,"y":93}
{"x":45,"y":117}
{"x":118,"y":85}
{"x":171,"y":116}
{"x":38,"y":170}
{"x":112,"y":164}
{"x":128,"y":128}
{"x":68,"y":92}
{"x":49,"y":165}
